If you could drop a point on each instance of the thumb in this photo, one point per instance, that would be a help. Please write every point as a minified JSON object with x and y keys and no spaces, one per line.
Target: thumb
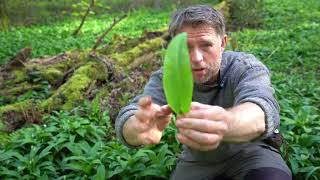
{"x":145,"y":101}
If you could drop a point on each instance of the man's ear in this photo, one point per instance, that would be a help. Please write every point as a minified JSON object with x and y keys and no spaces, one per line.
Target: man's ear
{"x":223,"y":42}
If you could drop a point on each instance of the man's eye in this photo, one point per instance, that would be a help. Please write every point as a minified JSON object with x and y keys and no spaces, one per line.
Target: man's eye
{"x":206,"y":45}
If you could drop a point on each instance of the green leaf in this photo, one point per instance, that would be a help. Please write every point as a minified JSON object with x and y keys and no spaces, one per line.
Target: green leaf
{"x":311,"y":172}
{"x":177,"y":75}
{"x":151,"y":172}
{"x":116,"y":171}
{"x":45,"y":152}
{"x":9,"y":173}
{"x":101,"y":173}
{"x":75,"y":166}
{"x":44,"y":177}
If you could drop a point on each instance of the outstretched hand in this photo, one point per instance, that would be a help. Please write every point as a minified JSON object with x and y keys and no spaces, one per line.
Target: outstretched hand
{"x":147,"y":125}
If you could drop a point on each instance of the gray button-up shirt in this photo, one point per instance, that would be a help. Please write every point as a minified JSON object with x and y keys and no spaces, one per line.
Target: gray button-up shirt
{"x":242,"y":78}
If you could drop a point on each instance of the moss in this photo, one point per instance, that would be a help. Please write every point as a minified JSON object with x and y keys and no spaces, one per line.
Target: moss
{"x":52,"y":75}
{"x":15,"y":77}
{"x":83,"y":55}
{"x":71,"y":93}
{"x":20,"y":75}
{"x":56,"y":71}
{"x":72,"y":59}
{"x":119,"y":44}
{"x":127,"y":57}
{"x":11,"y":115}
{"x":17,"y":107}
{"x":64,"y":65}
{"x":20,"y":89}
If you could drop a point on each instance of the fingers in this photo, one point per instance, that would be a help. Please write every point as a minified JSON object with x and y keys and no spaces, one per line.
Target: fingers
{"x":145,"y":112}
{"x":145,"y":102}
{"x":201,"y":138}
{"x":195,"y":145}
{"x":198,"y":114}
{"x":202,"y":125}
{"x":214,"y":113}
{"x":198,"y":106}
{"x":163,"y":123}
{"x":152,"y":114}
{"x":164,"y":116}
{"x":144,"y":115}
{"x":164,"y":111}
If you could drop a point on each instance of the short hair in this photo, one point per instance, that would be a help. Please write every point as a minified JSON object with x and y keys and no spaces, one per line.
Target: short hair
{"x":195,"y":15}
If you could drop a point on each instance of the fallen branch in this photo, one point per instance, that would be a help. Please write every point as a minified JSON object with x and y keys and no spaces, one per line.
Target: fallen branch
{"x":18,"y":60}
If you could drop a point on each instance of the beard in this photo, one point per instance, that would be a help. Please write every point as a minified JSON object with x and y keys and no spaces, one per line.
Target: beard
{"x":210,"y":74}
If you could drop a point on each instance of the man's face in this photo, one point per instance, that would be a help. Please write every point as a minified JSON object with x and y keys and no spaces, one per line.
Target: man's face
{"x":205,"y":49}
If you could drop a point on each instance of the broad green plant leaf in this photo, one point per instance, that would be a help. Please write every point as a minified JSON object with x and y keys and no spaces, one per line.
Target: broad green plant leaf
{"x":101,"y":173}
{"x":177,"y":75}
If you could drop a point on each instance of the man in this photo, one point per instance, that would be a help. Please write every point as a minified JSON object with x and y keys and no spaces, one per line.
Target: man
{"x":232,"y":112}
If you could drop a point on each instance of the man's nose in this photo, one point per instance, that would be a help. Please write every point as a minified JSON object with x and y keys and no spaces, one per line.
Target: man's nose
{"x":196,"y":55}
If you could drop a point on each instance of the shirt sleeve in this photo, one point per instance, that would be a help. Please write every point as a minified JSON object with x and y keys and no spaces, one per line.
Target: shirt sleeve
{"x":154,"y":89}
{"x":252,"y":84}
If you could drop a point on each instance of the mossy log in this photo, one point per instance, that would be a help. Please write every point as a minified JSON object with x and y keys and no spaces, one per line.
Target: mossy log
{"x":40,"y":85}
{"x":70,"y":93}
{"x":13,"y":116}
{"x":127,"y":57}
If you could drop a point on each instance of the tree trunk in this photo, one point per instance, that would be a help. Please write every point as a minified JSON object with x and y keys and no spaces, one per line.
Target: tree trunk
{"x":4,"y":20}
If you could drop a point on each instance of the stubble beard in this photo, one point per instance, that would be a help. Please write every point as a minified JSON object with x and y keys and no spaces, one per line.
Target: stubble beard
{"x":212,"y":72}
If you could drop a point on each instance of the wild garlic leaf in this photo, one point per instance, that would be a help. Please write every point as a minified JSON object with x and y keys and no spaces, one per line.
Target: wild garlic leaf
{"x":177,"y":75}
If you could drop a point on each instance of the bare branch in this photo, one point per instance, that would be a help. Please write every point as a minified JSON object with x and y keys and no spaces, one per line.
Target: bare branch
{"x":75,"y":33}
{"x":99,"y":39}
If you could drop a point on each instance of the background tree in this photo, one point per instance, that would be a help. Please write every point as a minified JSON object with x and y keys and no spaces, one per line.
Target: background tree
{"x":4,"y":20}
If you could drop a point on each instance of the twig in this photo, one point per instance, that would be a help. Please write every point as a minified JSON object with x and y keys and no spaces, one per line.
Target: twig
{"x":75,"y":33}
{"x":275,"y":50}
{"x":99,"y":39}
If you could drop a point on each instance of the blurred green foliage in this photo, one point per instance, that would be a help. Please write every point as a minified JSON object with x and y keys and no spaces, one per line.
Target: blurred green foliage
{"x":26,"y":12}
{"x":59,"y":37}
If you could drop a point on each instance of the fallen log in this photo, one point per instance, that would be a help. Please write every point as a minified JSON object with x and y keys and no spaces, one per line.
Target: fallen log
{"x":62,"y":82}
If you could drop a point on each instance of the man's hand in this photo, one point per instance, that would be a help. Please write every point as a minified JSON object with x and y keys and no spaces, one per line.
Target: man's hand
{"x":203,"y":127}
{"x":147,"y":125}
